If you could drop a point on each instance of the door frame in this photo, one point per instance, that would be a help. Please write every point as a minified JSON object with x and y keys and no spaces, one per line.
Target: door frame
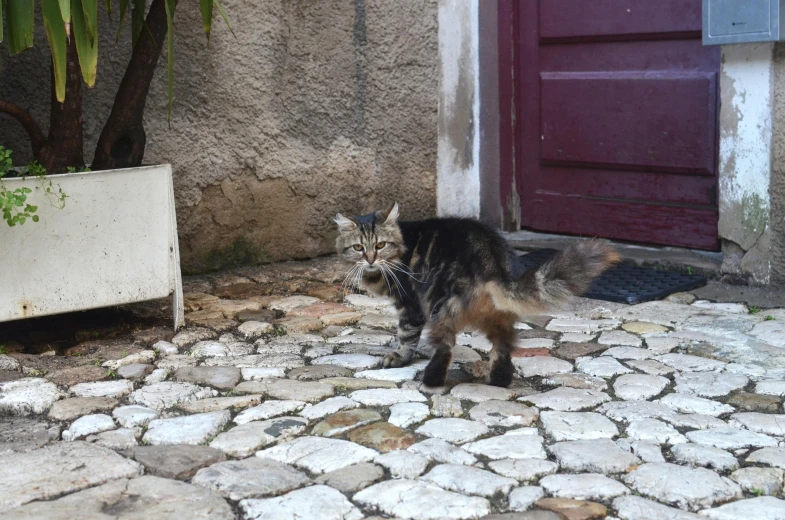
{"x":509,"y":177}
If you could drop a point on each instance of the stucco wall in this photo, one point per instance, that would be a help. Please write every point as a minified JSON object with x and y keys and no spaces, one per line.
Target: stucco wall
{"x":752,"y":162}
{"x":777,"y":183}
{"x":458,"y":187}
{"x":745,"y":159}
{"x":314,"y":108}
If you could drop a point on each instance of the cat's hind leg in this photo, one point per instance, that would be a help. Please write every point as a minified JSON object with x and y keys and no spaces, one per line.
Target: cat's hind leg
{"x":442,"y":339}
{"x":503,"y":338}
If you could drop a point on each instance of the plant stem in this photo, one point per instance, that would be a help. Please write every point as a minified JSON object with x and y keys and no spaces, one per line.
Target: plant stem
{"x":64,"y":145}
{"x":37,"y":138}
{"x":123,"y":138}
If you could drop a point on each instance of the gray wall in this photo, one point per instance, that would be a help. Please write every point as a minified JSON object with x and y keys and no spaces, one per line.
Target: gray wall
{"x":316,"y":107}
{"x":777,"y":183}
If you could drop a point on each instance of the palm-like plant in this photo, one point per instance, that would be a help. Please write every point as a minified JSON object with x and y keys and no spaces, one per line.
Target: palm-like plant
{"x":72,"y":32}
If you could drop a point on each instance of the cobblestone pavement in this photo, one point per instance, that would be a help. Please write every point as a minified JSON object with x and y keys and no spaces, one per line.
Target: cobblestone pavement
{"x":271,"y":403}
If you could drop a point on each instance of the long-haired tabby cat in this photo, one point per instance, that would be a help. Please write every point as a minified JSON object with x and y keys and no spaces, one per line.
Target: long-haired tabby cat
{"x":450,"y":274}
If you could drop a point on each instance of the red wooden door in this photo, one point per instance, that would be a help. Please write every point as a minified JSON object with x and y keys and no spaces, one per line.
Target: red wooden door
{"x":615,"y":129}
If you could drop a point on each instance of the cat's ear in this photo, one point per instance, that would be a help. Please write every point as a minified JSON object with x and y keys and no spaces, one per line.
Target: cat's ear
{"x":391,"y":215}
{"x":344,"y":224}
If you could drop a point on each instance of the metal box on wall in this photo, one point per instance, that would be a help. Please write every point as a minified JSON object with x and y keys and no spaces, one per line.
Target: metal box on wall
{"x":742,"y":21}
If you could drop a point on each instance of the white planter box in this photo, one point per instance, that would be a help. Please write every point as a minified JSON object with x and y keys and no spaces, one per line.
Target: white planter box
{"x":115,"y":242}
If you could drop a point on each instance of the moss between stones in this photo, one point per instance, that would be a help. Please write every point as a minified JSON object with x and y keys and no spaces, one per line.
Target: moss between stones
{"x":241,"y":252}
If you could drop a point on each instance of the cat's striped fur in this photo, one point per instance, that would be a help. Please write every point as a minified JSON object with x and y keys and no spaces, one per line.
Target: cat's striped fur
{"x":451,"y":274}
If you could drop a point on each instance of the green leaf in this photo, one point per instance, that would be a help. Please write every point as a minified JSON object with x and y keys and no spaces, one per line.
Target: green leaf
{"x":19,"y":22}
{"x":223,"y":15}
{"x":65,"y":10}
{"x":58,"y":43}
{"x":35,"y":218}
{"x":206,"y":7}
{"x":123,"y":10}
{"x":170,"y":5}
{"x":90,"y":11}
{"x":137,"y":19}
{"x":86,"y":48}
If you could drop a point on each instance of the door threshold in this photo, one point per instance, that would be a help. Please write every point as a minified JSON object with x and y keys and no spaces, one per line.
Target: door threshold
{"x":707,"y":263}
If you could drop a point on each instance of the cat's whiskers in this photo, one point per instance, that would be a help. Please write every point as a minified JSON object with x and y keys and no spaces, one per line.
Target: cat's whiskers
{"x":384,"y":275}
{"x":359,"y":276}
{"x":346,"y":280}
{"x":350,"y":280}
{"x":402,"y":268}
{"x":384,"y":265}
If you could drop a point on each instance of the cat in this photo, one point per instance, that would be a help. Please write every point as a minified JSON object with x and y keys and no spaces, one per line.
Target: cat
{"x":451,"y":274}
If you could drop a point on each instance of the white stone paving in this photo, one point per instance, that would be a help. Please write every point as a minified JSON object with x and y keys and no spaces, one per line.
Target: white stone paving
{"x":118,"y":388}
{"x":442,"y":451}
{"x":684,"y":403}
{"x":567,"y":399}
{"x":602,"y":366}
{"x":524,"y":470}
{"x":541,"y":366}
{"x":705,"y":456}
{"x":421,"y":500}
{"x":608,"y":421}
{"x":387,"y":396}
{"x":638,"y":387}
{"x":327,"y":407}
{"x":573,"y":426}
{"x":88,"y":425}
{"x":407,"y":414}
{"x":594,"y":456}
{"x":508,"y":447}
{"x":189,"y":429}
{"x":586,"y":486}
{"x":469,"y":480}
{"x":319,"y":455}
{"x":731,"y":438}
{"x":28,"y":396}
{"x":403,"y":464}
{"x":654,"y":431}
{"x":683,"y":487}
{"x":312,"y":502}
{"x":452,"y":429}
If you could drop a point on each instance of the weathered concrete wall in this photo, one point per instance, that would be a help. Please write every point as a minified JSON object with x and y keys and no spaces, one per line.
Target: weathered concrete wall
{"x":314,"y":108}
{"x":777,"y":183}
{"x":458,"y":186}
{"x":746,"y":168}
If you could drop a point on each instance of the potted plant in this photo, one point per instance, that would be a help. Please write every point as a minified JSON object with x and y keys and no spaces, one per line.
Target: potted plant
{"x":97,"y":237}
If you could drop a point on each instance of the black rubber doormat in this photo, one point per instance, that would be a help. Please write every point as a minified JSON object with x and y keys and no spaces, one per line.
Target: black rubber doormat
{"x":626,"y":282}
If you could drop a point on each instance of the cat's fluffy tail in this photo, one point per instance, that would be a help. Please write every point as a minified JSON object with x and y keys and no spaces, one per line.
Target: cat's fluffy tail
{"x":568,"y":274}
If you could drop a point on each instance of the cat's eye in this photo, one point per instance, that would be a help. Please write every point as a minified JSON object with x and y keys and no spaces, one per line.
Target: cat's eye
{"x":357,"y":247}
{"x":380,"y":245}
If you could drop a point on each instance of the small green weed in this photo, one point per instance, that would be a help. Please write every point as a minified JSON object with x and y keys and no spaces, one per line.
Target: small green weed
{"x":769,"y":318}
{"x":754,"y":310}
{"x":13,"y":203}
{"x":689,"y":269}
{"x":3,"y":350}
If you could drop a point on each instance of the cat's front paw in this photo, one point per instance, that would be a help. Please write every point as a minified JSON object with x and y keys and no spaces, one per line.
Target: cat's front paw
{"x":393,"y":360}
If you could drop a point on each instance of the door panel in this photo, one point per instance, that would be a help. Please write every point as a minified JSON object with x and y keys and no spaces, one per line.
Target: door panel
{"x":569,"y":19}
{"x":590,"y":119}
{"x":615,"y":128}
